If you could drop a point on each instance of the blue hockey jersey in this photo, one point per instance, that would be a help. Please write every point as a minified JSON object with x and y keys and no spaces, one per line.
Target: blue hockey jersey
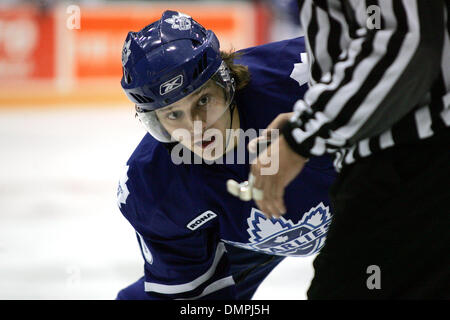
{"x":183,"y":214}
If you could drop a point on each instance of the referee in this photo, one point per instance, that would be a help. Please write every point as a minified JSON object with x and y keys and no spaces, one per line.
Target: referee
{"x":379,"y":100}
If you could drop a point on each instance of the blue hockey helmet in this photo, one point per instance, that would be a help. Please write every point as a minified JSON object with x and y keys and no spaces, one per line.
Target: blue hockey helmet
{"x":167,"y":61}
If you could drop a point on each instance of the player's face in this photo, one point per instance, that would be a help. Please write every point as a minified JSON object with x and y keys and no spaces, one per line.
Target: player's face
{"x":199,"y":121}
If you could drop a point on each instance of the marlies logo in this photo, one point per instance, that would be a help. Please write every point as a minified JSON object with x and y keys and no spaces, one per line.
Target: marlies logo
{"x":171,"y":85}
{"x":283,"y":237}
{"x":181,"y":21}
{"x":201,"y":219}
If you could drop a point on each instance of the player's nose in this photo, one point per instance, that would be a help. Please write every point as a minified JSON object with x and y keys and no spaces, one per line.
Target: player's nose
{"x":197,"y":129}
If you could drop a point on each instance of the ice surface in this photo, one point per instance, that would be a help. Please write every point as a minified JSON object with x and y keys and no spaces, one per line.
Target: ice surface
{"x":61,"y":233}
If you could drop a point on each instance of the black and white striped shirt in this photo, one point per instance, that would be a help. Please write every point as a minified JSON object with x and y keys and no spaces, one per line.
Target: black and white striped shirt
{"x":379,"y":76}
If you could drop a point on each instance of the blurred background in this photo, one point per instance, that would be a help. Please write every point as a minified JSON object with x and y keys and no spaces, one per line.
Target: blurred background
{"x":67,"y":129}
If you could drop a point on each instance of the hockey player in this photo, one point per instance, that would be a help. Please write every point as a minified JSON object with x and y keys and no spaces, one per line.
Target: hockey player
{"x":199,"y":241}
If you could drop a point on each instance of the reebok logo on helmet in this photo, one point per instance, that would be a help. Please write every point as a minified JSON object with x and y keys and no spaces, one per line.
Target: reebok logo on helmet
{"x":171,"y":85}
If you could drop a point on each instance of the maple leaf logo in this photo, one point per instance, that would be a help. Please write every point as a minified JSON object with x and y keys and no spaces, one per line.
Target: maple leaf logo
{"x":122,"y":190}
{"x":126,"y":52}
{"x":181,"y":21}
{"x":300,"y":72}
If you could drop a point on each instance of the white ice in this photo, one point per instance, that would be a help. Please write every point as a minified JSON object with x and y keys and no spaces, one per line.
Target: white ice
{"x":61,"y":233}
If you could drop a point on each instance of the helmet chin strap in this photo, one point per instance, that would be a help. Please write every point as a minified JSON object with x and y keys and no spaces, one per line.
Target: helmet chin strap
{"x":232,"y":107}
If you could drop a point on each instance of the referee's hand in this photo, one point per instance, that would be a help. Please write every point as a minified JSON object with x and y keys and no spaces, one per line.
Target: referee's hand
{"x":290,"y":164}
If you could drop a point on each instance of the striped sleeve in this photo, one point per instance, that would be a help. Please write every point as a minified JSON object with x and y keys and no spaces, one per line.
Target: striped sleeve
{"x":384,"y":75}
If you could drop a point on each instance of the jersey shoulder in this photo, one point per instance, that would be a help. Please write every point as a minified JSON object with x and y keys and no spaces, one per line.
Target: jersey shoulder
{"x":158,"y":197}
{"x":269,"y":62}
{"x":149,"y":162}
{"x":145,"y":184}
{"x":278,"y":78}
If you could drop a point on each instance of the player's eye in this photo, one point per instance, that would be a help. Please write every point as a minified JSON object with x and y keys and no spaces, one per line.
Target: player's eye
{"x":204,"y":100}
{"x":174,"y":115}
